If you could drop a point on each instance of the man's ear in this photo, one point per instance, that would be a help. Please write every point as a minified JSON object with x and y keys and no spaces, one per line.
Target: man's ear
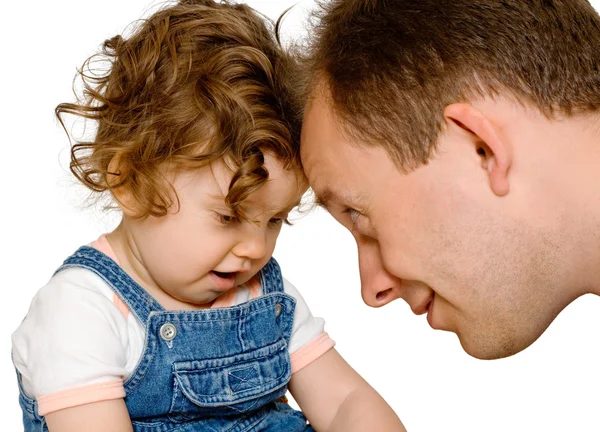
{"x":494,"y":151}
{"x":115,"y":178}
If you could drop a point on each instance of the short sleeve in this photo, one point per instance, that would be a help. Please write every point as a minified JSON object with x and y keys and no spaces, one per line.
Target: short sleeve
{"x":309,"y":340}
{"x":71,"y":348}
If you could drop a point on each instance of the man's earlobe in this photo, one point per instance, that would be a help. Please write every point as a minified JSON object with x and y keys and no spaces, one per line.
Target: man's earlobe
{"x":494,"y":152}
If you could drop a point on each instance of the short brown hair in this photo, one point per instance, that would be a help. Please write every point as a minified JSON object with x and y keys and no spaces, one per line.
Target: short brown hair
{"x":392,"y":66}
{"x":195,"y":82}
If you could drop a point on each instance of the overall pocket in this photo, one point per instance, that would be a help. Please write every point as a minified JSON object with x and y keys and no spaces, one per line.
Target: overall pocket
{"x":230,"y":385}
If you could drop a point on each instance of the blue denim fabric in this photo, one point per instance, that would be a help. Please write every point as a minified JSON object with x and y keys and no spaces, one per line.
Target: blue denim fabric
{"x":211,"y":370}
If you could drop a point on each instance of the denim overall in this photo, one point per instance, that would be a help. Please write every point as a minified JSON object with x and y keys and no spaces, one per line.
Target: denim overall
{"x":217,"y":370}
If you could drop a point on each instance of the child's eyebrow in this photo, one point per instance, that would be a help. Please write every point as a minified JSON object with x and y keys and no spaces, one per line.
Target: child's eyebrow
{"x":284,"y":210}
{"x":220,"y":198}
{"x":216,"y":197}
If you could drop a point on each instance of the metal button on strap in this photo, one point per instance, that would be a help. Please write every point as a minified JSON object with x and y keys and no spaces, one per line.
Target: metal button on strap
{"x":168,"y":332}
{"x":277,"y":309}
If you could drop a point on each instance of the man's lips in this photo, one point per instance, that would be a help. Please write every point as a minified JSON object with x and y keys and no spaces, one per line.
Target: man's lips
{"x":424,"y":306}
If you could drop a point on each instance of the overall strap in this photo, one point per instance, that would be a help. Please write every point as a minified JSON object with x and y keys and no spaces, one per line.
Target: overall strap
{"x":134,"y":296}
{"x":271,"y":278}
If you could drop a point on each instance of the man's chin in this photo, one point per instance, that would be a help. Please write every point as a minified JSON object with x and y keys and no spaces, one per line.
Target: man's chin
{"x":490,"y":348}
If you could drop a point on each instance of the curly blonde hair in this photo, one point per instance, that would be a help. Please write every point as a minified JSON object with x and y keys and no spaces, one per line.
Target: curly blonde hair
{"x":195,"y":82}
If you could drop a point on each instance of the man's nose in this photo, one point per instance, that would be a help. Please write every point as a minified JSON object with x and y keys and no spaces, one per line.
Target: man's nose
{"x":378,"y":286}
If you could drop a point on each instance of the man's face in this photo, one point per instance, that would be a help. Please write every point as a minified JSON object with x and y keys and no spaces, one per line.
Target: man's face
{"x":438,"y":237}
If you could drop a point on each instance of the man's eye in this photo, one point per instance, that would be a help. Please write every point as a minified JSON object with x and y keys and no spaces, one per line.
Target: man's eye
{"x":353,"y":214}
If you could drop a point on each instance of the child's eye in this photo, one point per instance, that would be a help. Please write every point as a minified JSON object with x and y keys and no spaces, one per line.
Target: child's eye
{"x":277,"y":222}
{"x":226,"y":219}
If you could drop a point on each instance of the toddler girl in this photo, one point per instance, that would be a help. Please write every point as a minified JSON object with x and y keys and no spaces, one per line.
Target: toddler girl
{"x":179,"y":319}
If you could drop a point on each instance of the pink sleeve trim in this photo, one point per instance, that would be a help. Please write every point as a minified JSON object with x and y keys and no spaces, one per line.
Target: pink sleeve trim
{"x":254,"y":286}
{"x":80,"y":396}
{"x":311,"y":351}
{"x":104,"y":246}
{"x":226,"y":299}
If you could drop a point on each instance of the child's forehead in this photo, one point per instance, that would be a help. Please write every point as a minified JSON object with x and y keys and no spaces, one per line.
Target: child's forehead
{"x":224,"y":169}
{"x":282,"y":191}
{"x":262,"y":200}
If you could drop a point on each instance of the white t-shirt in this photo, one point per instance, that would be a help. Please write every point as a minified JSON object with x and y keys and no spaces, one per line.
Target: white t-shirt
{"x":79,"y":343}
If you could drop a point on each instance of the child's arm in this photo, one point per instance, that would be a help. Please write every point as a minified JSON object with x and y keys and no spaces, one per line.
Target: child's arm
{"x":336,"y":398}
{"x":71,"y":356}
{"x":110,"y":415}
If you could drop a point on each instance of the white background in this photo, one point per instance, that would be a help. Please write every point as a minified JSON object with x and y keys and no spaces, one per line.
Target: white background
{"x":426,"y":377}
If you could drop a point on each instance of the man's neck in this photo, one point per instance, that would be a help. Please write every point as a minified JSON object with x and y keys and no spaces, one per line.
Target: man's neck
{"x":577,"y":172}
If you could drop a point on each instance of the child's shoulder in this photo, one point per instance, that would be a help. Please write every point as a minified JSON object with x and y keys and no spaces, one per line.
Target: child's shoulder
{"x":72,"y":298}
{"x":74,"y":284}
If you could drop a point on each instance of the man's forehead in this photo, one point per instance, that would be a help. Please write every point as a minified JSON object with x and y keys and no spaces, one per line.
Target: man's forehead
{"x":320,"y":142}
{"x":334,"y":164}
{"x":320,"y":123}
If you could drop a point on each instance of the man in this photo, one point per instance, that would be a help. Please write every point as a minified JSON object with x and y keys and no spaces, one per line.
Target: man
{"x":459,"y":142}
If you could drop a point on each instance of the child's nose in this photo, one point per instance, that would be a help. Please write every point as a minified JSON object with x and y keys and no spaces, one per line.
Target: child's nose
{"x":252,"y":245}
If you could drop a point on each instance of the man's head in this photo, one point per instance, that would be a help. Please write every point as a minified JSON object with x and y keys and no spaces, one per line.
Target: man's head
{"x":452,"y":137}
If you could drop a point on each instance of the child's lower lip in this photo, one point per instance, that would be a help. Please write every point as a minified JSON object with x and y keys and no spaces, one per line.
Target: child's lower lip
{"x":221,"y":283}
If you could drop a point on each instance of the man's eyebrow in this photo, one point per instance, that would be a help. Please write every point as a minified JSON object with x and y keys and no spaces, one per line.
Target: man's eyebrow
{"x":328,"y":196}
{"x":324,"y":198}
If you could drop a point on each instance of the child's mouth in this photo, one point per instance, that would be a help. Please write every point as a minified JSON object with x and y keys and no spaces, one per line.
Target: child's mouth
{"x":223,"y":280}
{"x":224,"y":275}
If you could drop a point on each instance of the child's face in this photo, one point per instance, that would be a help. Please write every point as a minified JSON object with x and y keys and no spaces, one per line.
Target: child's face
{"x":199,"y":252}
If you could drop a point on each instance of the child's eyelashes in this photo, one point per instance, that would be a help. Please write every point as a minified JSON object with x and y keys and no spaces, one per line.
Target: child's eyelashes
{"x":277,"y":222}
{"x":229,"y":220}
{"x":226,"y":219}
